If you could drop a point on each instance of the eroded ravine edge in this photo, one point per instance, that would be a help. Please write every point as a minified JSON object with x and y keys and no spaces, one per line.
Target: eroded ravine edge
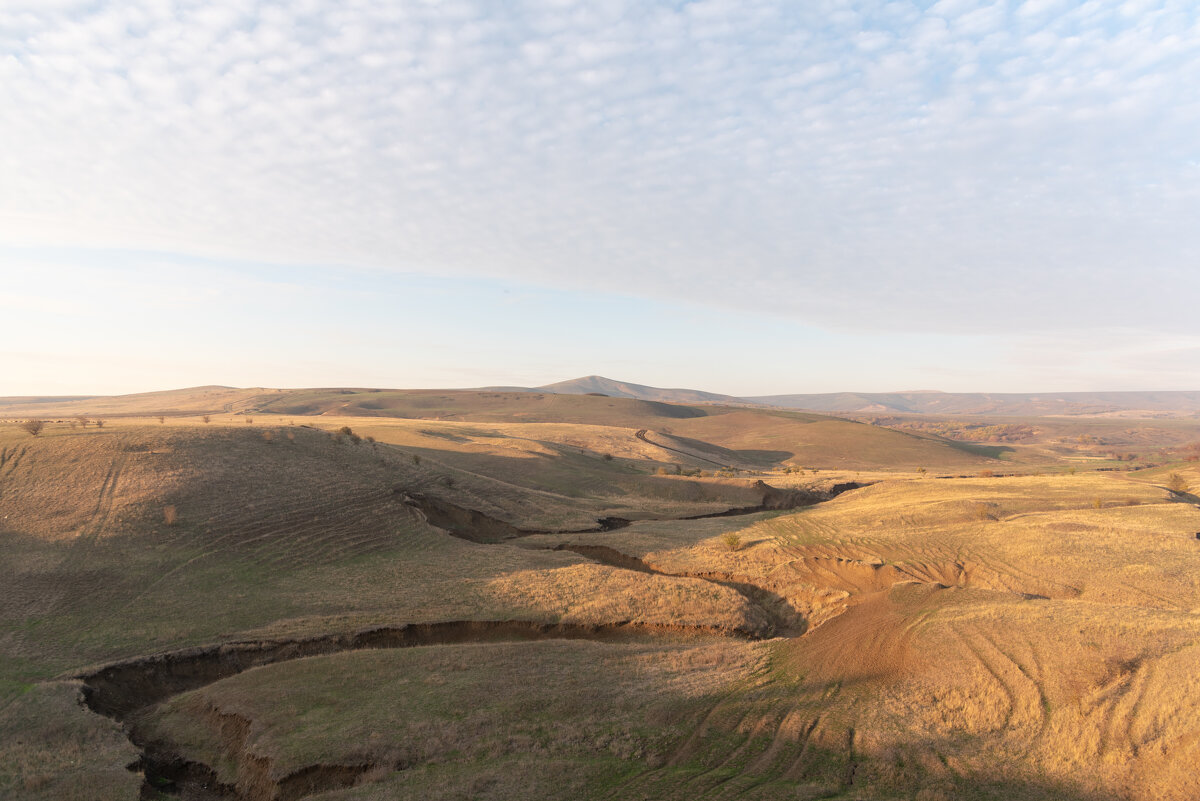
{"x":120,"y":690}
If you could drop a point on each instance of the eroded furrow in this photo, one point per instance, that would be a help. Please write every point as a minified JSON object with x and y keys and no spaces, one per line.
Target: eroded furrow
{"x":123,"y":690}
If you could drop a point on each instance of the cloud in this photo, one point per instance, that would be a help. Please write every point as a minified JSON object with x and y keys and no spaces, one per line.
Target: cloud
{"x":958,"y":169}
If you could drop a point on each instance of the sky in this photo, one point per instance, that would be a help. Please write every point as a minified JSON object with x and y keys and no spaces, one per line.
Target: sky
{"x":741,"y":196}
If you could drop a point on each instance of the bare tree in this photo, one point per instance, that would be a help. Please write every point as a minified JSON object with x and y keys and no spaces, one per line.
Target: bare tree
{"x":33,"y":426}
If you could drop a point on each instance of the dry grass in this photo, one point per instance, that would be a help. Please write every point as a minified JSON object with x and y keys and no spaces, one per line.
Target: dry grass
{"x":589,"y":593}
{"x":52,"y":750}
{"x":1044,"y":647}
{"x":475,"y":708}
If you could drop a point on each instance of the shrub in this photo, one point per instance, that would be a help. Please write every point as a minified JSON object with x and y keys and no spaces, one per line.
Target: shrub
{"x":34,"y":427}
{"x":99,"y":423}
{"x":1097,"y":503}
{"x":170,"y":515}
{"x":348,"y":432}
{"x":986,"y":474}
{"x":267,"y":436}
{"x":731,"y":541}
{"x":416,"y":458}
{"x":83,"y":421}
{"x":1177,"y":483}
{"x":162,"y":420}
{"x":608,"y":457}
{"x":249,"y":420}
{"x":983,"y":512}
{"x":206,"y":418}
{"x":1132,"y":502}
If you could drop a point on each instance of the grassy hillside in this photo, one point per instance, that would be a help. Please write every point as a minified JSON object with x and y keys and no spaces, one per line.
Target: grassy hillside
{"x":1023,"y":636}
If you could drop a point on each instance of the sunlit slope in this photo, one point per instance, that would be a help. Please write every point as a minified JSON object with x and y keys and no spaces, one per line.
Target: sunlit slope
{"x":264,"y":525}
{"x":754,"y":437}
{"x":140,"y":538}
{"x":1013,"y":637}
{"x":193,"y":400}
{"x":981,"y":638}
{"x":829,"y":443}
{"x":708,"y":435}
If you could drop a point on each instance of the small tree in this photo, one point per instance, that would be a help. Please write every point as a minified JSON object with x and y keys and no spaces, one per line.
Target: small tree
{"x":33,"y":426}
{"x":83,"y":421}
{"x":206,"y":418}
{"x":731,"y":541}
{"x":99,"y":423}
{"x":1177,"y":483}
{"x":162,"y":420}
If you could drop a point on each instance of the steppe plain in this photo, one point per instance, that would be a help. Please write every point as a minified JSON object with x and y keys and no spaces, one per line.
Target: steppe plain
{"x":363,"y":594}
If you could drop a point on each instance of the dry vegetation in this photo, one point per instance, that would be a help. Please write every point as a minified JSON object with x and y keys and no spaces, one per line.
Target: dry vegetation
{"x":976,"y":637}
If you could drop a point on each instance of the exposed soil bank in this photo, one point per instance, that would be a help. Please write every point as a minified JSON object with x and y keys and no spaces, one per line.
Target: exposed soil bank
{"x":122,"y":689}
{"x":118,"y":689}
{"x":473,"y":525}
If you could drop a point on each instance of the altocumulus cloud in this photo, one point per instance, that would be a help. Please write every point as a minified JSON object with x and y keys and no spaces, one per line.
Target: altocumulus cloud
{"x":960,"y":166}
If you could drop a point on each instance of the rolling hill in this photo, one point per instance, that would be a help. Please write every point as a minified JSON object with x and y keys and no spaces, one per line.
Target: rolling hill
{"x":996,"y":404}
{"x":217,"y":399}
{"x":595,"y":384}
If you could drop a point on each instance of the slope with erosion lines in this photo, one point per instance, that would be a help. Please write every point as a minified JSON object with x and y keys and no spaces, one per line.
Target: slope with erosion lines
{"x":123,"y":689}
{"x":762,"y":436}
{"x":1020,"y":668}
{"x":954,"y":691}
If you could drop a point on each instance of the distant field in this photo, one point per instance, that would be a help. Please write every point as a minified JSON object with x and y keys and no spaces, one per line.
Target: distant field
{"x":971,"y":636}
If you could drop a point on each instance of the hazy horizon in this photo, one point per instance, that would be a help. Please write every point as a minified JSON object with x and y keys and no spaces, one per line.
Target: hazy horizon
{"x":536,"y":386}
{"x":742,"y":197}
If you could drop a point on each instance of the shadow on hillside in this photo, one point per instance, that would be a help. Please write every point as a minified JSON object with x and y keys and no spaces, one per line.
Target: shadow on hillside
{"x":707,"y":450}
{"x":979,"y":448}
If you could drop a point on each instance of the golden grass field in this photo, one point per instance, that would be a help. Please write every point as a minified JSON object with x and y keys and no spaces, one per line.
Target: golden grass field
{"x":241,"y":587}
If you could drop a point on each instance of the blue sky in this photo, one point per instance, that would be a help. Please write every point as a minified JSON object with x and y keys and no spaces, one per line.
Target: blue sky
{"x":747,"y":197}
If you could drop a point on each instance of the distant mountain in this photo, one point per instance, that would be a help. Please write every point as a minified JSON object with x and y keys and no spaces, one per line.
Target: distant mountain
{"x":1000,"y":403}
{"x":930,"y":402}
{"x":595,"y":384}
